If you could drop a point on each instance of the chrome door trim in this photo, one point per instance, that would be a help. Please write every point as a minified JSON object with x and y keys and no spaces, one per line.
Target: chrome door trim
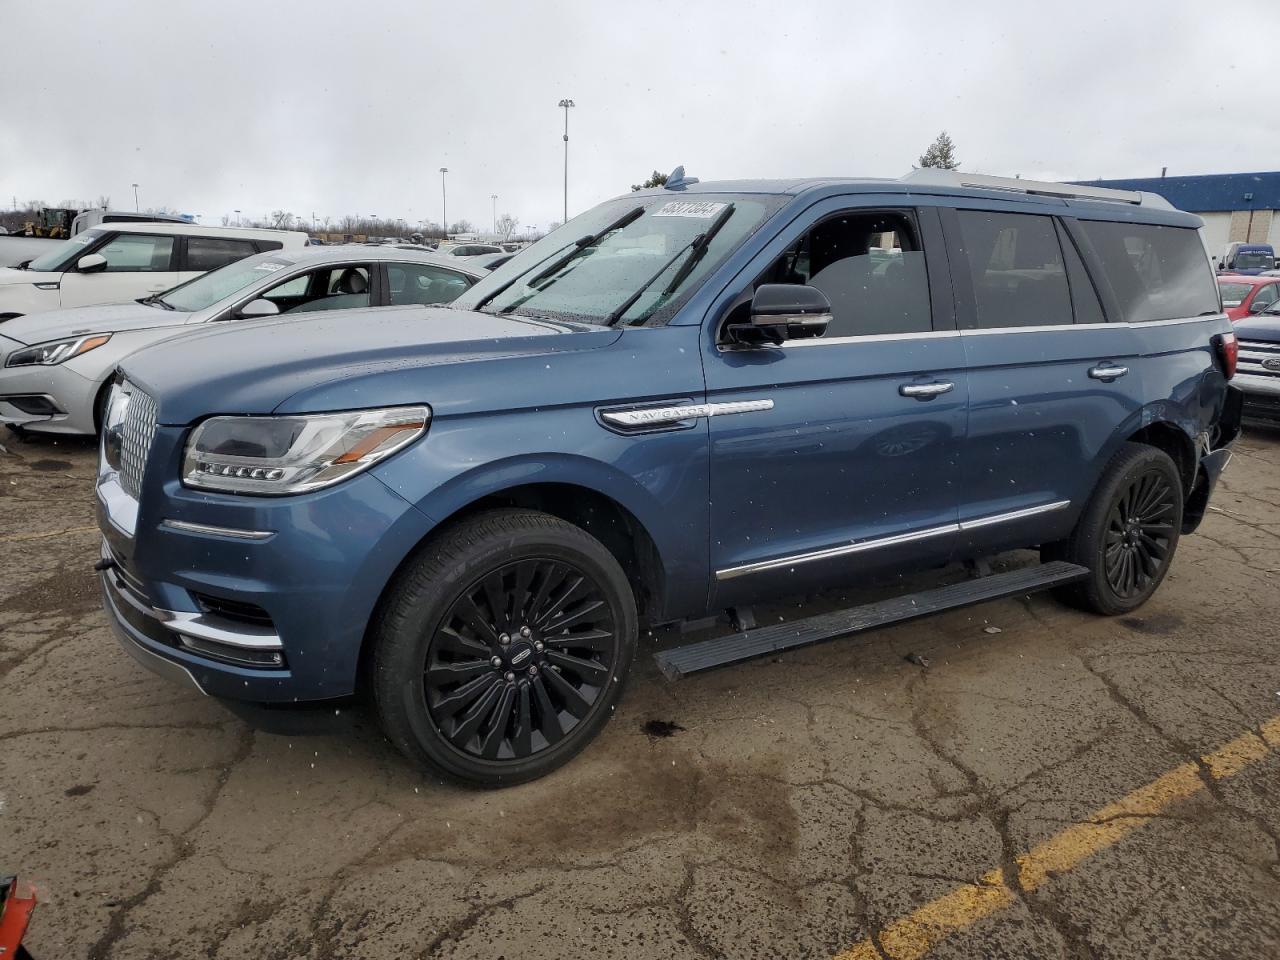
{"x":861,"y":546}
{"x":659,"y":416}
{"x":184,"y":526}
{"x":1013,"y":515}
{"x":830,"y":552}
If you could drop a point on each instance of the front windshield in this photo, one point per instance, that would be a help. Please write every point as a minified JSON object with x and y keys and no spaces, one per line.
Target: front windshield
{"x":601,"y":279}
{"x":1254,"y":261}
{"x":61,"y":256}
{"x":208,"y":288}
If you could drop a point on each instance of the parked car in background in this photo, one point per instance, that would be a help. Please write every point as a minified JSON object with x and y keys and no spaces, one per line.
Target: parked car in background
{"x":1247,"y":258}
{"x":54,"y":366}
{"x":1258,"y":374}
{"x":469,"y":249}
{"x":1243,"y":295}
{"x":117,"y":262}
{"x":684,"y":400}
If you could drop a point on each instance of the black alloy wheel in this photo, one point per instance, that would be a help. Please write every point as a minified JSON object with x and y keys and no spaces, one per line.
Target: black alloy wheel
{"x":1127,"y":533}
{"x":1139,"y":531}
{"x":502,"y":647}
{"x":521,"y":658}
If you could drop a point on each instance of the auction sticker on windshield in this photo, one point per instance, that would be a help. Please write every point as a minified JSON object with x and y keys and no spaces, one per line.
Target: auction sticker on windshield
{"x":702,"y":209}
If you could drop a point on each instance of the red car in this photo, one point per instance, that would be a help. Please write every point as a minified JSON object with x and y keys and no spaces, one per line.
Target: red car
{"x":1242,"y":296}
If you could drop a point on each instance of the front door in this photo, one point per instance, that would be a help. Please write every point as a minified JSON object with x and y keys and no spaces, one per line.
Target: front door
{"x":847,"y":458}
{"x":138,"y":265}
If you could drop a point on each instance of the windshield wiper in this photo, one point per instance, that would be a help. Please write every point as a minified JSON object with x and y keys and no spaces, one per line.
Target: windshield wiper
{"x":154,"y":300}
{"x":698,"y":245}
{"x":578,"y":246}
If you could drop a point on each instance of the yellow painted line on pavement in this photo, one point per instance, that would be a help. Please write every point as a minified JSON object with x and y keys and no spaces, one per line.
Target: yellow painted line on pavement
{"x":913,"y":936}
{"x":19,"y":537}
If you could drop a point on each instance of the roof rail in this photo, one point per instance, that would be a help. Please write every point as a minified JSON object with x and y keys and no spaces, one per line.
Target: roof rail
{"x":954,"y":178}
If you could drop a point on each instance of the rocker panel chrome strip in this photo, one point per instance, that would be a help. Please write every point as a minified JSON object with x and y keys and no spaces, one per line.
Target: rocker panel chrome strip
{"x":863,"y":545}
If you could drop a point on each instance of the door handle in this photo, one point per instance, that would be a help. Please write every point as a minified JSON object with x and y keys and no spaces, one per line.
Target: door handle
{"x":925,"y":391}
{"x":1106,"y":372}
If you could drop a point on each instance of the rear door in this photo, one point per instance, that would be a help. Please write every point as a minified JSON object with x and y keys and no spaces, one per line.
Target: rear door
{"x":424,"y":283}
{"x":829,"y":463}
{"x":201,"y":254}
{"x":1050,"y":380}
{"x":138,"y":265}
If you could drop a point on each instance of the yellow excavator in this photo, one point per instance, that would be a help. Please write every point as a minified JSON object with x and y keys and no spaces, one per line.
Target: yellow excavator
{"x":53,"y":223}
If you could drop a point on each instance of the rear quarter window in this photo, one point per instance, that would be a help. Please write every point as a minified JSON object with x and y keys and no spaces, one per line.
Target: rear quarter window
{"x":1155,"y":272}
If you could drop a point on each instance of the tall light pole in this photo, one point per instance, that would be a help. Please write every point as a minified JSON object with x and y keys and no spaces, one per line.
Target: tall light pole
{"x":136,"y":208}
{"x":494,"y":198}
{"x":566,"y":104}
{"x":444,"y":202}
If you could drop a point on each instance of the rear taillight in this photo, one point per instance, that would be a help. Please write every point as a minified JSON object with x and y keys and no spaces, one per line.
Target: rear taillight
{"x":1228,"y":349}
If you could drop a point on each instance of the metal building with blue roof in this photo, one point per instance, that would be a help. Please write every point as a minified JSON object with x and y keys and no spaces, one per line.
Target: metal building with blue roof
{"x":1241,"y":207}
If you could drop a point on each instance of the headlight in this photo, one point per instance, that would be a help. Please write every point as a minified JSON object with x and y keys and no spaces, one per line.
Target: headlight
{"x":293,"y":454}
{"x":56,"y":351}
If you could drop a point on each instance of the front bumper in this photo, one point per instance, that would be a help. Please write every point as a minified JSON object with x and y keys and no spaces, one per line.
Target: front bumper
{"x":310,"y":587}
{"x":71,"y":394}
{"x":1261,"y":395}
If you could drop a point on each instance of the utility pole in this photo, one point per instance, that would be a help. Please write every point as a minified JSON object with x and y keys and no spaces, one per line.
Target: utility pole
{"x":444,"y":202}
{"x":138,"y":209}
{"x":494,"y":198}
{"x":566,"y":104}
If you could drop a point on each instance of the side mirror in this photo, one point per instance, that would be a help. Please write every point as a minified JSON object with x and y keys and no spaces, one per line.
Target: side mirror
{"x":257,"y":308}
{"x":1258,"y":307}
{"x":784,"y":311}
{"x":92,"y":263}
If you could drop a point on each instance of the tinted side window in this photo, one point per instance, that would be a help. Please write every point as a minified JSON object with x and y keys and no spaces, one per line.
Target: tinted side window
{"x":1157,"y":273}
{"x":1019,"y":275}
{"x":1084,"y":296}
{"x":423,"y":283}
{"x":138,"y":253}
{"x":871,"y":268}
{"x":210,"y":253}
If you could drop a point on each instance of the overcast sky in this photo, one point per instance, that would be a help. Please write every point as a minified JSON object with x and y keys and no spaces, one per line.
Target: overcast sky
{"x":338,"y":108}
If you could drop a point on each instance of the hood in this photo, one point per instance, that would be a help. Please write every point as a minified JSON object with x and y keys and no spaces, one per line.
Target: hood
{"x":342,"y":359}
{"x":12,"y":275}
{"x":104,"y":318}
{"x":1260,"y":326}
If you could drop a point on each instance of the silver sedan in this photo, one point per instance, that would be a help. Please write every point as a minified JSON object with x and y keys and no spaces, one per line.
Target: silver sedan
{"x":55,"y":366}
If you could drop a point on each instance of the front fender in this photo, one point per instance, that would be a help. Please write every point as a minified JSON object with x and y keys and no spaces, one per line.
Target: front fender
{"x":661,"y":479}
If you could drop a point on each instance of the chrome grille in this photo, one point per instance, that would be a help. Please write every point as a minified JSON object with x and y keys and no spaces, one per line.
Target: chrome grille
{"x":137,"y":432}
{"x":1254,"y":357}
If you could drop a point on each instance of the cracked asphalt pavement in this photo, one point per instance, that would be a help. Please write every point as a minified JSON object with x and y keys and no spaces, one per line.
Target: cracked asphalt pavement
{"x":794,"y":807}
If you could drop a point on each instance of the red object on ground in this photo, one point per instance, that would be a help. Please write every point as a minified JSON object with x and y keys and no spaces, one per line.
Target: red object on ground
{"x":16,"y":905}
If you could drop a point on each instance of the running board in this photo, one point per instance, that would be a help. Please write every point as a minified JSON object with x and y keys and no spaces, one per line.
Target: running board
{"x":737,"y":647}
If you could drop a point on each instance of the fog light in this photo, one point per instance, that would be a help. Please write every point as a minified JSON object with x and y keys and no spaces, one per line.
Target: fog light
{"x":242,"y":656}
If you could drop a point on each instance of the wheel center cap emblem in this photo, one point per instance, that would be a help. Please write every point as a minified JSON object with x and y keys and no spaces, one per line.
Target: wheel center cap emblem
{"x":521,"y":655}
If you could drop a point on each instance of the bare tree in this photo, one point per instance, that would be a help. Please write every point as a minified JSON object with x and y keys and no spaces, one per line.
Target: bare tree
{"x":282,"y":220}
{"x":506,"y":224}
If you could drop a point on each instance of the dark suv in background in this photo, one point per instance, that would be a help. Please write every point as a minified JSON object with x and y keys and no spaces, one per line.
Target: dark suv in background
{"x":685,"y":400}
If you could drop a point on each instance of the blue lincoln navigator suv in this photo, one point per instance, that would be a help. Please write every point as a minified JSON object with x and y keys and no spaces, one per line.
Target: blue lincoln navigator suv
{"x":684,"y":401}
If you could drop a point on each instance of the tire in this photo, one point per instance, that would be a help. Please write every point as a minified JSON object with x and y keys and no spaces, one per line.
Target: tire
{"x":460,"y":689}
{"x":1127,"y":534}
